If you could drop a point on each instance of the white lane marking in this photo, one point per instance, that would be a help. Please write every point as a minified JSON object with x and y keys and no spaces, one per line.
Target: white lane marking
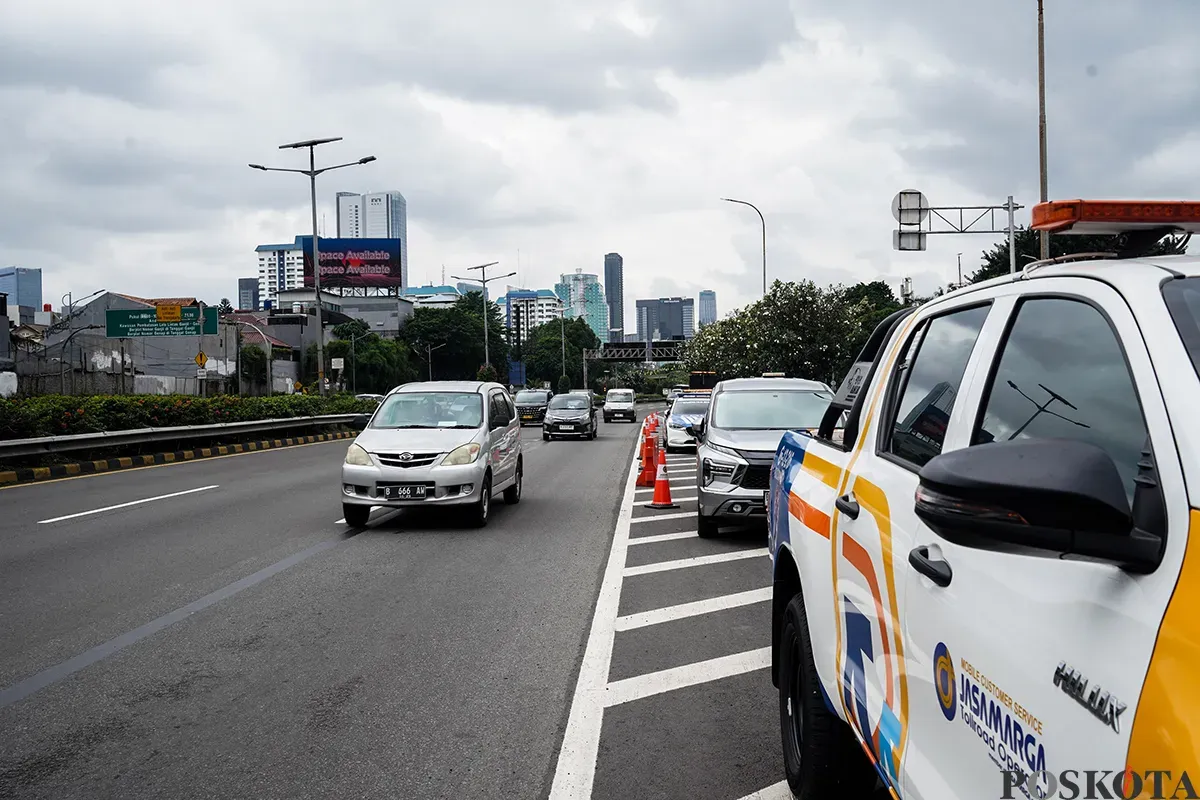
{"x":668,"y":680}
{"x":685,"y":610}
{"x":576,"y":768}
{"x":697,"y":561}
{"x":127,"y":505}
{"x":653,"y":517}
{"x":662,"y":537}
{"x":680,"y":494}
{"x":777,"y":791}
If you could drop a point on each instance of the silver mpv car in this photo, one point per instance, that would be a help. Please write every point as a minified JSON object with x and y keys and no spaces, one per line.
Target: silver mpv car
{"x":736,"y":443}
{"x":437,"y":443}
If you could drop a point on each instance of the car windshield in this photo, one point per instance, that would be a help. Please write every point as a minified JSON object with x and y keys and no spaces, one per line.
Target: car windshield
{"x":690,"y":407}
{"x":430,"y":410}
{"x":528,"y":397}
{"x":570,"y":402}
{"x":620,"y":397}
{"x":769,"y":410}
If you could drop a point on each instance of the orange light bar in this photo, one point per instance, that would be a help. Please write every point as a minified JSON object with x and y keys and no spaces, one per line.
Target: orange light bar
{"x":1096,"y":217}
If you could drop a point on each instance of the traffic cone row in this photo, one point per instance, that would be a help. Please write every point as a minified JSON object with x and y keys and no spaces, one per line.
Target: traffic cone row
{"x":646,"y":477}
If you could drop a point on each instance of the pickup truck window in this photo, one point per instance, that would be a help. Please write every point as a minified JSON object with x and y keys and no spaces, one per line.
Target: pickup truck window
{"x":1062,"y":375}
{"x":928,"y":383}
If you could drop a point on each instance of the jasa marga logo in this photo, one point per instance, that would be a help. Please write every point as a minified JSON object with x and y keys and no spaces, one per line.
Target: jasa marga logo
{"x":943,"y":680}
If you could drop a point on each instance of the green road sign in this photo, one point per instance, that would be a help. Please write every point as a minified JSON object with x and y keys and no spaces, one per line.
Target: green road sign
{"x":131,"y":322}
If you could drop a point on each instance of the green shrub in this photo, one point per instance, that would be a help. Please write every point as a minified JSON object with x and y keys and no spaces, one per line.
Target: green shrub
{"x":61,"y":415}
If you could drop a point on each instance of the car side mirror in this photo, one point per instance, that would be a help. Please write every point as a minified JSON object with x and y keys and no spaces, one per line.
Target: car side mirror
{"x":360,"y":421}
{"x":695,"y":430}
{"x":1055,"y":495}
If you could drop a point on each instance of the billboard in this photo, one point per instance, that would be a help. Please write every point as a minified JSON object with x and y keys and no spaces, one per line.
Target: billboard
{"x":354,"y":262}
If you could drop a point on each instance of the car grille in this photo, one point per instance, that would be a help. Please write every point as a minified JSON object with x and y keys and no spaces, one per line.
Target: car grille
{"x":757,"y":476}
{"x":416,"y":460}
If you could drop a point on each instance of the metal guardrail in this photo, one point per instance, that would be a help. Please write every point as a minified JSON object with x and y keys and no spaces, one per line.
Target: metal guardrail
{"x":88,"y":441}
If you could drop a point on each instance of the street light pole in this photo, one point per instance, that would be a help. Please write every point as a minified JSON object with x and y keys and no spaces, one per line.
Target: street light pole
{"x":764,"y":236}
{"x":1045,"y":181}
{"x":312,"y":172}
{"x":484,"y":280}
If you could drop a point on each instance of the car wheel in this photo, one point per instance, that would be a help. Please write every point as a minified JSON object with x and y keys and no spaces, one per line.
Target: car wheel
{"x":356,"y":516}
{"x":483,"y":506}
{"x":512,"y":495}
{"x":706,"y":527}
{"x":821,"y":756}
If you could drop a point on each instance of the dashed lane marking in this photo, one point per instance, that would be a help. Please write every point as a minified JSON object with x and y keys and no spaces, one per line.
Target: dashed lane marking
{"x":127,"y":505}
{"x":695,"y":609}
{"x":695,"y":561}
{"x":668,"y":680}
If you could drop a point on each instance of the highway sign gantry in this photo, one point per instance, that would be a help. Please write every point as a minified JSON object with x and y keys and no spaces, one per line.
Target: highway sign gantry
{"x":123,"y":323}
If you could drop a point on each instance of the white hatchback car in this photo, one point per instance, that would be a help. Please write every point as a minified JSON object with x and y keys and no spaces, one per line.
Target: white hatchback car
{"x":447,"y":443}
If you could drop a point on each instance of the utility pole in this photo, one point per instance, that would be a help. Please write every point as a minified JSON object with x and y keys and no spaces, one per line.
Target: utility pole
{"x":1045,"y":181}
{"x":312,"y":172}
{"x":960,"y":283}
{"x":764,"y":237}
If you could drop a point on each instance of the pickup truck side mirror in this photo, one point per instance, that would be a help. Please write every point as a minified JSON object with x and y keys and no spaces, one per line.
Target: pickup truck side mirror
{"x":1055,"y":495}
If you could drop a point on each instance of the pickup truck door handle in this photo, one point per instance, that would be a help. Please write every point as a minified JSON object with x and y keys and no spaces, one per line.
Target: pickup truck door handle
{"x":847,"y":505}
{"x":936,"y":570}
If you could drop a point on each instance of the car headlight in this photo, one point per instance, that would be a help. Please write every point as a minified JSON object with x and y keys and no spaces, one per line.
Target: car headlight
{"x":676,"y":425}
{"x":717,"y":470}
{"x":466,"y":454}
{"x":358,"y":457}
{"x":729,"y":451}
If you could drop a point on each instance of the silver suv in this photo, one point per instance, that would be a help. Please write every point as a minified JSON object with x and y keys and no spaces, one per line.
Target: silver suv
{"x":736,"y":443}
{"x":446,"y":443}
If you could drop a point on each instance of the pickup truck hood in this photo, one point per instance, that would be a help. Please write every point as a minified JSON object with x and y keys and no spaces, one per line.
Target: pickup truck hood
{"x":414,"y":440}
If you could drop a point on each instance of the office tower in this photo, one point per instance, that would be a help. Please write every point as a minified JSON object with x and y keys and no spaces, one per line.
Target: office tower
{"x":614,"y":291}
{"x":247,"y":296}
{"x":583,"y":296}
{"x":708,"y":307}
{"x":377,"y":215}
{"x":666,"y":318}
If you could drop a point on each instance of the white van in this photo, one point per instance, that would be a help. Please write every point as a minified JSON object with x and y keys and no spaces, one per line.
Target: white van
{"x":618,"y":404}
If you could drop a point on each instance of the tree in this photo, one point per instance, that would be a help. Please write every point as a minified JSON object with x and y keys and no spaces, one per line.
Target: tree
{"x":372,"y":363}
{"x":873,"y":302}
{"x":564,"y":384}
{"x":457,"y":333}
{"x":544,"y":350}
{"x":995,"y":262}
{"x":797,"y":328}
{"x":224,"y":307}
{"x":254,"y":365}
{"x":487,"y":373}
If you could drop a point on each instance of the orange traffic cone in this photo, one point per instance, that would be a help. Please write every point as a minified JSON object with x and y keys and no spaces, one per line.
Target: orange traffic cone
{"x":662,"y":487}
{"x":646,"y":478}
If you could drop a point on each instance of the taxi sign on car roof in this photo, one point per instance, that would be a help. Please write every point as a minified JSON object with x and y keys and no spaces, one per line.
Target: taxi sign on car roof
{"x":1102,"y":217}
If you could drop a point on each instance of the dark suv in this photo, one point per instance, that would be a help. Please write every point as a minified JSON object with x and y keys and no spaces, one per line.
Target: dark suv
{"x":531,"y":405}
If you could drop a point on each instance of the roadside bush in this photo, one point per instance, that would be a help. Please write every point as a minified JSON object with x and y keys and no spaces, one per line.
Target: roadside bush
{"x":61,"y":415}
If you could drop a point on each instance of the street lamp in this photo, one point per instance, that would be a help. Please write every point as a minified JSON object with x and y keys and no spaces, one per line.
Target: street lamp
{"x":69,"y":301}
{"x":484,"y":280}
{"x":354,"y":357}
{"x":429,"y":348}
{"x":267,"y":342}
{"x":764,"y":235}
{"x":312,"y":172}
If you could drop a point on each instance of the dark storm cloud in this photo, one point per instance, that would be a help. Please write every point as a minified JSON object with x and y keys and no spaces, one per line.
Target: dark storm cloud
{"x":1120,"y":87}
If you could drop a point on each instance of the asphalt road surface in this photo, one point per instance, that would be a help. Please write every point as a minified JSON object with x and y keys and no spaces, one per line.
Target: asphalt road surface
{"x":209,"y":630}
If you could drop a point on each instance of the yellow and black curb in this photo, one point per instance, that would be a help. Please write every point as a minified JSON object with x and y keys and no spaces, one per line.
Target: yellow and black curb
{"x":55,"y":471}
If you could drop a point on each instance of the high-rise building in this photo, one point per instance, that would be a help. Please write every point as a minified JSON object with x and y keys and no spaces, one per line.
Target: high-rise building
{"x":537,"y":307}
{"x":708,"y":307}
{"x":464,"y":287}
{"x":583,"y":296}
{"x":614,"y":290}
{"x":247,"y":294}
{"x":280,"y":267}
{"x":23,"y":285}
{"x":377,"y":215}
{"x":666,"y":318}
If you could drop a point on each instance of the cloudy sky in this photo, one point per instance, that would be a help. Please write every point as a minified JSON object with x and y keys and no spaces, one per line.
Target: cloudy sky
{"x":566,"y":129}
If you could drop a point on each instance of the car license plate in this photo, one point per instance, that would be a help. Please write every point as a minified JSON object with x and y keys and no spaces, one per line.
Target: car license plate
{"x":566,"y":427}
{"x":527,"y":416}
{"x":407,"y":492}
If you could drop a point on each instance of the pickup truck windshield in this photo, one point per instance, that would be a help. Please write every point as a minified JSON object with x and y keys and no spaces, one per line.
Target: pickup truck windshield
{"x":1183,"y":302}
{"x":769,"y":410}
{"x":430,"y":410}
